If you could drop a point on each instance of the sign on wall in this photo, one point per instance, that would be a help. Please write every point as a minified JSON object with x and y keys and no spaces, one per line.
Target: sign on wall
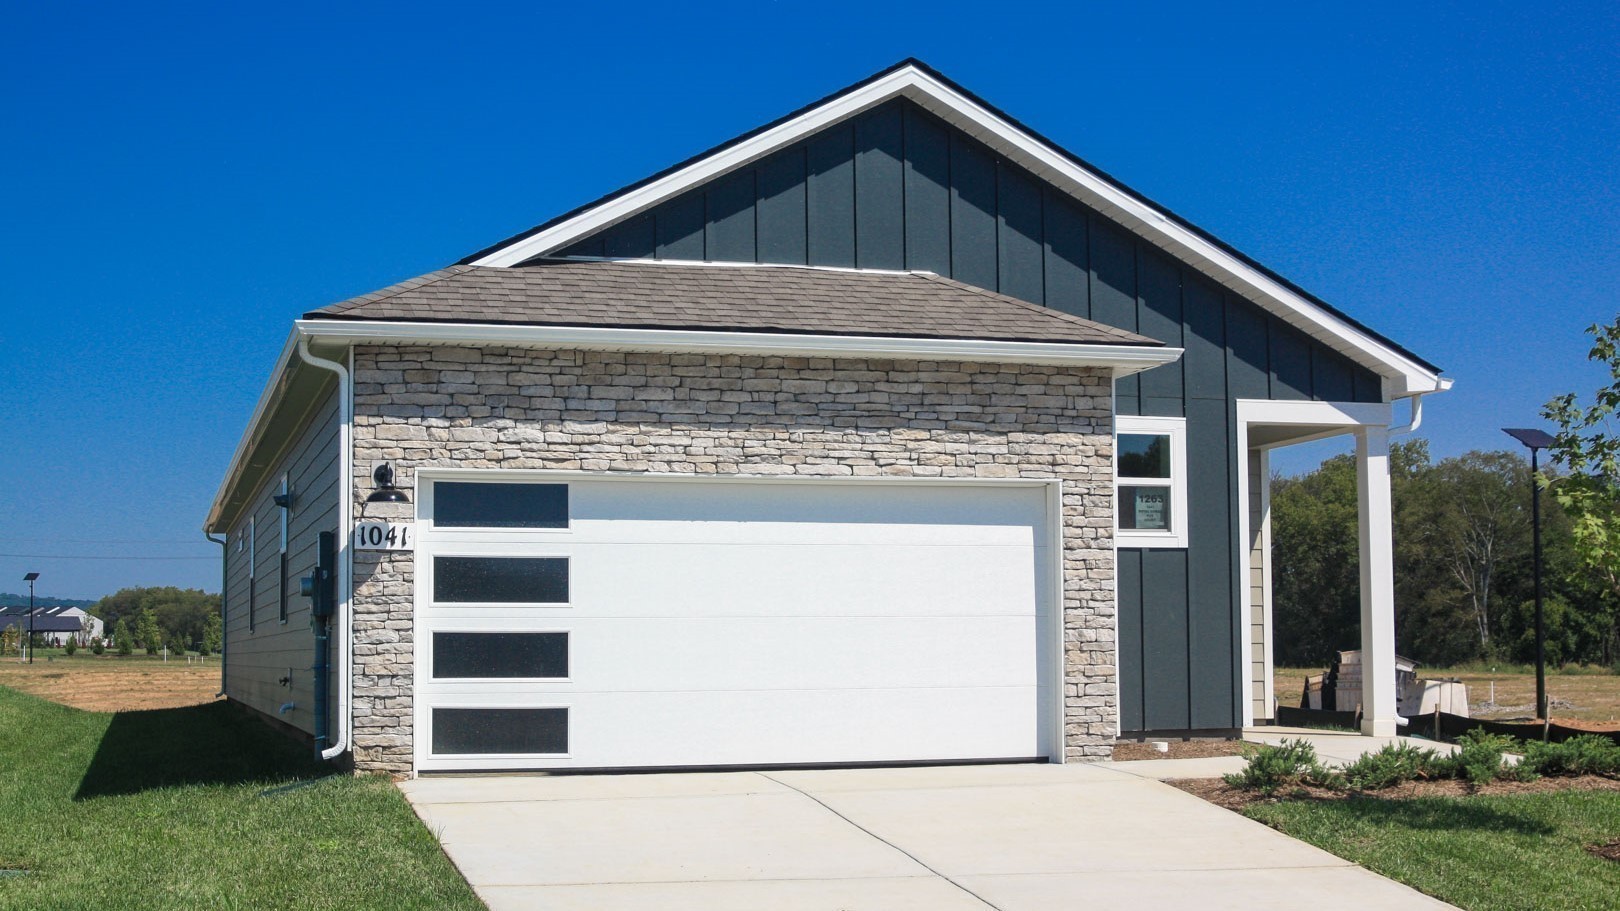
{"x":385,"y":536}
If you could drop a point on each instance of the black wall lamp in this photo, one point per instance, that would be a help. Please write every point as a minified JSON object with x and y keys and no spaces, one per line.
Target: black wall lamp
{"x":386,"y":492}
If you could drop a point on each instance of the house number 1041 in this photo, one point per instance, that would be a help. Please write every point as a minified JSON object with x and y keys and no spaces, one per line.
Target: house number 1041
{"x":384,"y":536}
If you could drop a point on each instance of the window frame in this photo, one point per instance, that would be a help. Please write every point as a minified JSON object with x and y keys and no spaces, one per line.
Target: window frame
{"x":253,"y":569}
{"x":281,"y":581}
{"x":1176,"y":430}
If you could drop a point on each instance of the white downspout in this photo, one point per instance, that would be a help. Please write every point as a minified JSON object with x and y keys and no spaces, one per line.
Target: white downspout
{"x":344,"y":714}
{"x":1417,"y":417}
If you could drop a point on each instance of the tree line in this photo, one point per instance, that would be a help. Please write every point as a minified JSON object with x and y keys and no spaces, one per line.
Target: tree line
{"x":1464,"y":587}
{"x":181,"y":619}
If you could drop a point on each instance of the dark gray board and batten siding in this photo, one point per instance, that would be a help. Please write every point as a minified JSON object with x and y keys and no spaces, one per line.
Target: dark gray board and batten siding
{"x":260,"y":657}
{"x":897,"y":188}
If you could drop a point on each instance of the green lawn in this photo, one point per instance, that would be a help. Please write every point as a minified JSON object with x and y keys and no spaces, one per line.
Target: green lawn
{"x":1501,"y":853}
{"x":198,"y":807}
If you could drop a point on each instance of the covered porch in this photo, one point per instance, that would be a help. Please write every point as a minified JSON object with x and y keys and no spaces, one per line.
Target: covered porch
{"x":1262,"y":427}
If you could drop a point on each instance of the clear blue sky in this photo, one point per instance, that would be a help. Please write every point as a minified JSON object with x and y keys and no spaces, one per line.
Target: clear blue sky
{"x":182,"y":181}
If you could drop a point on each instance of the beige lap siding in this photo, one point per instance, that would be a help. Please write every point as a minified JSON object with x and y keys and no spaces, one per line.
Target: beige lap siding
{"x":723,"y":415}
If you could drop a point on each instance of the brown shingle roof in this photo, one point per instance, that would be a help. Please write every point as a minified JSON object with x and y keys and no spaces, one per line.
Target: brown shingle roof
{"x":698,"y":296}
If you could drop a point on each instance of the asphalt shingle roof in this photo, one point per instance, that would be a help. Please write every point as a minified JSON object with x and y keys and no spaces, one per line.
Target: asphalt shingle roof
{"x":700,"y":296}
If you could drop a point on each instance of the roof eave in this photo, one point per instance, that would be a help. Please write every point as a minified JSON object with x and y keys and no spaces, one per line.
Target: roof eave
{"x":1121,"y":358}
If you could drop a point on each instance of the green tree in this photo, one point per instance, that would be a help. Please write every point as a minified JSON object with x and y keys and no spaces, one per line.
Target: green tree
{"x":213,"y":635}
{"x":1588,"y":490}
{"x":122,"y":640}
{"x":148,"y":634}
{"x":10,"y":640}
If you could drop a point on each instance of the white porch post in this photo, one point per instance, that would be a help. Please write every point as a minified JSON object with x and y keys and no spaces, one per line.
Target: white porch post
{"x":1376,"y":520}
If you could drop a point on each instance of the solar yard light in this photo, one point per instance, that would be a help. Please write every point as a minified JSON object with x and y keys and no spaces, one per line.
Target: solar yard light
{"x":29,"y":578}
{"x":1536,"y":440}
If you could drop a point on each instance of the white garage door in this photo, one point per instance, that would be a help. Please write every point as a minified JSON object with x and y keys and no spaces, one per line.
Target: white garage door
{"x":587,"y":622}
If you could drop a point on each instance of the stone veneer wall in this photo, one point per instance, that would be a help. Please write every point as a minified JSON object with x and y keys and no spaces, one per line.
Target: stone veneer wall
{"x":728,"y":414}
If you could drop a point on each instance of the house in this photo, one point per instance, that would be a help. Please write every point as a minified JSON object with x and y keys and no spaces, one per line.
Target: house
{"x":54,"y":623}
{"x":889,"y":431}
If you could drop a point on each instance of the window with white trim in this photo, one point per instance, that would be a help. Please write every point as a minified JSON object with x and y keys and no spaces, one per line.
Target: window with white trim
{"x":1150,"y":481}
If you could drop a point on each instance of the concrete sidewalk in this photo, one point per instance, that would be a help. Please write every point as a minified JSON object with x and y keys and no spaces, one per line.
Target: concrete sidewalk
{"x":1009,"y":837}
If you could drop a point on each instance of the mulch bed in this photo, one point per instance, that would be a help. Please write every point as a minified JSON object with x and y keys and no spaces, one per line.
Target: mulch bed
{"x":1131,"y":751}
{"x":1219,"y":793}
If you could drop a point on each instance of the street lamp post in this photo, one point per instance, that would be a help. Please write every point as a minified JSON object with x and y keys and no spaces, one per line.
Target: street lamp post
{"x":1536,"y":440}
{"x":29,"y":578}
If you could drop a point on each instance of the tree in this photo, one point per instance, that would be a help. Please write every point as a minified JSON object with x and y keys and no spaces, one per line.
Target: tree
{"x":148,"y":634}
{"x":1588,"y":452}
{"x":213,"y":635}
{"x":122,"y":640}
{"x":10,"y":640}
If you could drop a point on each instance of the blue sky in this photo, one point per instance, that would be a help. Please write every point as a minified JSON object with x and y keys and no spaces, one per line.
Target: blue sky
{"x":183,"y":180}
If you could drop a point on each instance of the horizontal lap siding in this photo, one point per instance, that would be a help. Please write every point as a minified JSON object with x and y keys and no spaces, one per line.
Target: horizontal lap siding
{"x":258,"y":658}
{"x":898,"y":188}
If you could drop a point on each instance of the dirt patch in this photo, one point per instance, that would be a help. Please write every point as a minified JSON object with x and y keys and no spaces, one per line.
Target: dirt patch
{"x":1219,"y":793}
{"x":1131,"y":751}
{"x":1585,"y":700}
{"x":110,"y":684}
{"x":1610,"y":851}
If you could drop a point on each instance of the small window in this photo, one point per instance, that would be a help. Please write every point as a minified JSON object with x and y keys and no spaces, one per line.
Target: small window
{"x":1150,"y":468}
{"x":459,"y":504}
{"x":500,"y":580}
{"x":532,"y":655}
{"x":510,"y":731}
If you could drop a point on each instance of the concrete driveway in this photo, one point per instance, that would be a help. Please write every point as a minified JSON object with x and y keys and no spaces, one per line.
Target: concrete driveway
{"x":1010,"y":837}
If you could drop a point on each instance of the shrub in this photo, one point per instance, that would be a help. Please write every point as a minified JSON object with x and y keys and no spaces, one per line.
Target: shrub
{"x":1479,"y":758}
{"x":70,"y":646}
{"x":1392,"y":765}
{"x":1290,"y":764}
{"x":1587,"y":754}
{"x":97,"y":646}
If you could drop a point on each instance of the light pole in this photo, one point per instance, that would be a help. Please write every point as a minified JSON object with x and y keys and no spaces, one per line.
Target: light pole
{"x":29,"y":578}
{"x":1536,"y":440}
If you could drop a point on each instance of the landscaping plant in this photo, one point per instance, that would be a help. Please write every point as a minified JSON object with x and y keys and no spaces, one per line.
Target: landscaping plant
{"x":1291,"y":764}
{"x":1588,"y":754}
{"x":1394,"y":764}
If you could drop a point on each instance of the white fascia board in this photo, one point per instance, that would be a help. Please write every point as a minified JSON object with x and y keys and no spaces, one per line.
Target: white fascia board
{"x":268,"y":399}
{"x":1409,"y":377}
{"x":1318,"y":414}
{"x":1122,"y":359}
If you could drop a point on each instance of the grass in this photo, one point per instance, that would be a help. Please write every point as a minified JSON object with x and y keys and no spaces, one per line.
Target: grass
{"x":1498,"y":853}
{"x":199,"y":807}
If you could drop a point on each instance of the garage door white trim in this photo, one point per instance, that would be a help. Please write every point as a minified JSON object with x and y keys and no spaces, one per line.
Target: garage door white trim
{"x":560,"y":616}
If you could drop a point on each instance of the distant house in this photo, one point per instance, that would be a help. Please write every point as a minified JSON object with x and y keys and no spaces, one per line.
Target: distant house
{"x":55,"y":623}
{"x":888,"y":431}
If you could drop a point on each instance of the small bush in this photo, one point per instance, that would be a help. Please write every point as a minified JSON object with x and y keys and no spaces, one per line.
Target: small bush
{"x":1479,"y":758}
{"x":98,"y":647}
{"x":1290,"y":764}
{"x":1394,"y":764}
{"x":71,"y":646}
{"x":1587,"y":754}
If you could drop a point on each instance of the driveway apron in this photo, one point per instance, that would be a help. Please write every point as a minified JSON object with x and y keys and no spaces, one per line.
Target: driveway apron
{"x":1007,"y":837}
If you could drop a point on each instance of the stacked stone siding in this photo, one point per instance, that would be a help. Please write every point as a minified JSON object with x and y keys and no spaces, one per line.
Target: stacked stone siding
{"x":723,"y":415}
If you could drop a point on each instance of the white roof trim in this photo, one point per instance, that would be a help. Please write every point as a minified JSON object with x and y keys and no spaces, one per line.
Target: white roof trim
{"x":1122,"y":359}
{"x":1408,"y":376}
